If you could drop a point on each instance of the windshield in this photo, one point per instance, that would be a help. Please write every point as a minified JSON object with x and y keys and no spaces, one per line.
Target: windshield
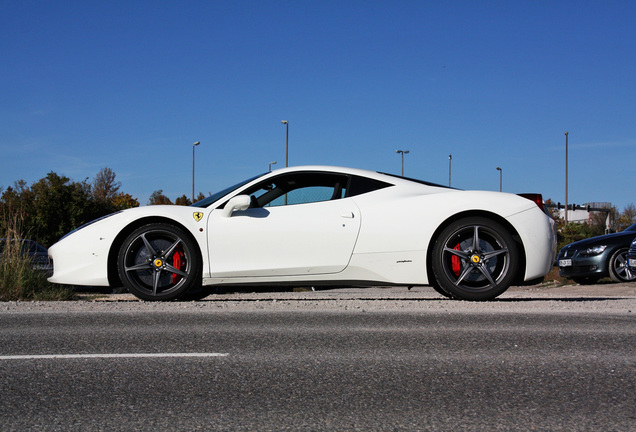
{"x":217,"y":196}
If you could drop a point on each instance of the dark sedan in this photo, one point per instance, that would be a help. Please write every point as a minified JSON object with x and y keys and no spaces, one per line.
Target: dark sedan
{"x":37,"y":254}
{"x":587,"y":261}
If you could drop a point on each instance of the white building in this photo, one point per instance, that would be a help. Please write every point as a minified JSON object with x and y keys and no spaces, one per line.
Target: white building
{"x":583,"y":213}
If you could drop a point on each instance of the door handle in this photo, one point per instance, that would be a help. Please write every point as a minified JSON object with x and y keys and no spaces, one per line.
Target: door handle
{"x":348,"y":215}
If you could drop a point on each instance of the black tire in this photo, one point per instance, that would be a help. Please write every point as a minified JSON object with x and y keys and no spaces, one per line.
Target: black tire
{"x":618,"y":269}
{"x":439,"y":290}
{"x":159,"y":262}
{"x":475,"y":259}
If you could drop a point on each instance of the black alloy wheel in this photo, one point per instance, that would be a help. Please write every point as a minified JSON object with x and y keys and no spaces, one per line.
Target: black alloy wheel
{"x":475,"y":259}
{"x":159,"y":262}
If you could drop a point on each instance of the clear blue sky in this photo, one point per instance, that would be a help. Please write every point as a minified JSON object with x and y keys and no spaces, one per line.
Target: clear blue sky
{"x":130,"y":85}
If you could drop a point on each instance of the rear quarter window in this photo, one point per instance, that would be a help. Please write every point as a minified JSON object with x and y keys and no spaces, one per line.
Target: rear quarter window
{"x":362,"y":185}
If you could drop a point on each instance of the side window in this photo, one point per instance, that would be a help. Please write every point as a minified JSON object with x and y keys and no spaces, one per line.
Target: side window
{"x":299,"y":188}
{"x":362,"y":185}
{"x":306,"y":195}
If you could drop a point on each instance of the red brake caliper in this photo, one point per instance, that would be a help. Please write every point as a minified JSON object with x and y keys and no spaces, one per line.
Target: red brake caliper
{"x":176,"y":263}
{"x":456,"y":262}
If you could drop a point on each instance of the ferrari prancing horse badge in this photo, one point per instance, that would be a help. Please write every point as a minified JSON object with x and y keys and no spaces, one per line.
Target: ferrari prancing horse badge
{"x":197,"y":216}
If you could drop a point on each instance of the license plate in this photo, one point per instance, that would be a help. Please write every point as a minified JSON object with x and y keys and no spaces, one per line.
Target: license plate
{"x":632,"y":262}
{"x":565,"y":263}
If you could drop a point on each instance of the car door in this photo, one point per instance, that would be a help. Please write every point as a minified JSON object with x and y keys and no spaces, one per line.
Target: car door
{"x":288,"y":240}
{"x":298,"y":223}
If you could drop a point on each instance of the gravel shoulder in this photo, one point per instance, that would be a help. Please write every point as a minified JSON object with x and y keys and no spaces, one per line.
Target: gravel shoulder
{"x":548,"y":297}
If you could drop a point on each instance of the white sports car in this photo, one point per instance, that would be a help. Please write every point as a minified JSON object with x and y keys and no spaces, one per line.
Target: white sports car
{"x":316,"y":226}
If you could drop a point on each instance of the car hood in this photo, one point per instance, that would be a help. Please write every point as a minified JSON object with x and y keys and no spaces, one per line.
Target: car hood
{"x":614,"y":238}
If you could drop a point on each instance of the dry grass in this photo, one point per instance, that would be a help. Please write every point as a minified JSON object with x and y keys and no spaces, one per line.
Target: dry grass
{"x":556,"y":279}
{"x":18,"y":279}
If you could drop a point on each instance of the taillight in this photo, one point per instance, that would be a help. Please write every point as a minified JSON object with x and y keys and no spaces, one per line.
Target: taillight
{"x":536,"y":198}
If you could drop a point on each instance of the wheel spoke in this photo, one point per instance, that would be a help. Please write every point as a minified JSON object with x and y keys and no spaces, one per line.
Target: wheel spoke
{"x":172,"y":269}
{"x":488,"y":255}
{"x":476,"y":239}
{"x":467,"y":270}
{"x":619,"y":265}
{"x":484,"y":270}
{"x":459,"y":253}
{"x":171,"y":249}
{"x":155,"y":282}
{"x":137,"y":267}
{"x":151,"y":250}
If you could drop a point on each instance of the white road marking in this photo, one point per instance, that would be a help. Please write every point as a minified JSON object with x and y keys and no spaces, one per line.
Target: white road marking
{"x":129,"y":355}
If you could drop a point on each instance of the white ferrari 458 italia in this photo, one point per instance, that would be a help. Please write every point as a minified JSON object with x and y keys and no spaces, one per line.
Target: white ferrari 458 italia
{"x":316,"y":226}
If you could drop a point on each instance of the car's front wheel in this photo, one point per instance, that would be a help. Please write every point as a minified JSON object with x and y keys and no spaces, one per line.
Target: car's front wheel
{"x":475,"y":259}
{"x":159,"y":262}
{"x":618,"y":269}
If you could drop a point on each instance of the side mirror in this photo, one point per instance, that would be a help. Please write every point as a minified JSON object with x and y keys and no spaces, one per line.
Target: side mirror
{"x":239,"y":202}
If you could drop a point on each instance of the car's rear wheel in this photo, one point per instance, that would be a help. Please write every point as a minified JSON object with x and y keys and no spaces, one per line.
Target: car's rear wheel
{"x":475,"y":259}
{"x":159,"y":262}
{"x":439,"y":290}
{"x":618,"y":269}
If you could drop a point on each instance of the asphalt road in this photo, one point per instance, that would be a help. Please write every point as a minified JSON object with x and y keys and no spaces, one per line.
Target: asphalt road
{"x":382,"y":359}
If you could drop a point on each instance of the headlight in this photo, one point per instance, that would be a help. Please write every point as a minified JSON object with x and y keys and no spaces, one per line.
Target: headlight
{"x":634,"y":243}
{"x":595,"y":250}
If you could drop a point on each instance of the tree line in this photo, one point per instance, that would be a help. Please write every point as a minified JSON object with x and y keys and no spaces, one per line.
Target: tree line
{"x":55,"y":205}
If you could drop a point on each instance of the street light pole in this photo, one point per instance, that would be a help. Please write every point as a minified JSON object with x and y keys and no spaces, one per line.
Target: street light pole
{"x":450,"y":158}
{"x":500,"y":178}
{"x":402,"y":152}
{"x":193,"y":146}
{"x":286,"y":123}
{"x":270,"y":165}
{"x":566,"y":178}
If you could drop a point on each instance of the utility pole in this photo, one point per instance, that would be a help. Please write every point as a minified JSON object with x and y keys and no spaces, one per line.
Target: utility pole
{"x":193,"y":146}
{"x":566,"y":178}
{"x":500,"y":178}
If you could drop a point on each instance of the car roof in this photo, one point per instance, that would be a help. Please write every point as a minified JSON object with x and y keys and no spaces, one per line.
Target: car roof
{"x":385,"y":177}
